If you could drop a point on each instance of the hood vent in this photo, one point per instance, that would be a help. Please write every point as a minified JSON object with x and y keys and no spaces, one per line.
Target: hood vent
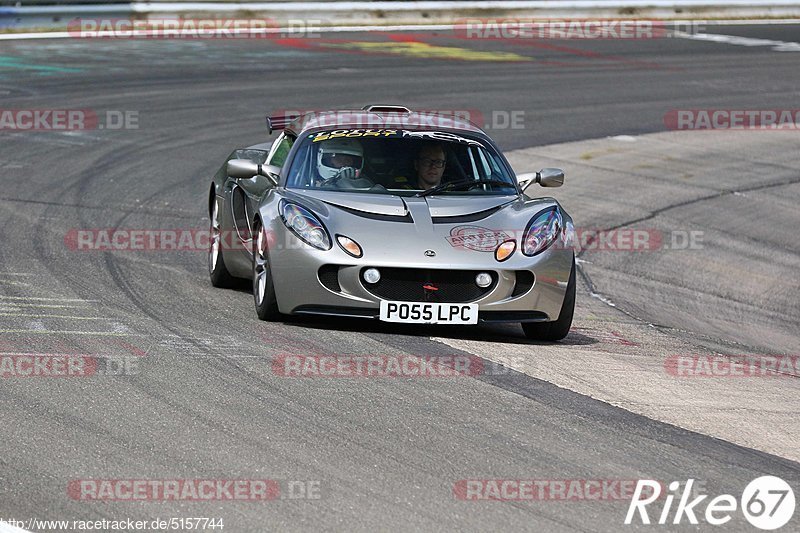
{"x":463,"y":219}
{"x":378,"y":216}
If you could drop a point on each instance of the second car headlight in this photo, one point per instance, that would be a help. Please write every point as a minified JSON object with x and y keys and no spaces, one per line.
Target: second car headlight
{"x":542,"y":231}
{"x":305,"y":225}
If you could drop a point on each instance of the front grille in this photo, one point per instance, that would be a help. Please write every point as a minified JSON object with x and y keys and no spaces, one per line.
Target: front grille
{"x":408,"y":285}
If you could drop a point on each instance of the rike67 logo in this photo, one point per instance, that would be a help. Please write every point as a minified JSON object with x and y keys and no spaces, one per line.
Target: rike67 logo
{"x":767,"y":503}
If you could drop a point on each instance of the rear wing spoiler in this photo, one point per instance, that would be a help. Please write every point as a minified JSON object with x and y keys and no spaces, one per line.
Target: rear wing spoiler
{"x":279,"y":122}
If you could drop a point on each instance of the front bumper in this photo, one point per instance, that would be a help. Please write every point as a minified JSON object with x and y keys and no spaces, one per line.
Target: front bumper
{"x":486,"y":317}
{"x":300,"y":287}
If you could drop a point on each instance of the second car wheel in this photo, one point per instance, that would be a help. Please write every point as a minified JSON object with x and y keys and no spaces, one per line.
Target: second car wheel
{"x":220,"y":277}
{"x":557,"y":329}
{"x":263,"y":286}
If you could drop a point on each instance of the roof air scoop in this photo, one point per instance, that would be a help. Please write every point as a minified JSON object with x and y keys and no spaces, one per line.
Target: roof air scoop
{"x":381,"y":108}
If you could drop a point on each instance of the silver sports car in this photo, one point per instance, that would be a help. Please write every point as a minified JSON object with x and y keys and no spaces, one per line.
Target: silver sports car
{"x":388,"y":214}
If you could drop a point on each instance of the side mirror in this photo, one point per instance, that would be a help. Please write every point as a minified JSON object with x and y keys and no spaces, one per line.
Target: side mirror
{"x":243,"y":168}
{"x":550,"y":177}
{"x":246,"y":169}
{"x":547,"y":177}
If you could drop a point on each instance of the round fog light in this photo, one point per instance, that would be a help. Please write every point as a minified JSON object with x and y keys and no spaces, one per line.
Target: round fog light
{"x":483,"y":280}
{"x":372,"y":275}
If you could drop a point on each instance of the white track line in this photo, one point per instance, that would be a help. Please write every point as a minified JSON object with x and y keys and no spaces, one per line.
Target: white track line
{"x":35,"y":354}
{"x":777,"y":46}
{"x":34,"y":298}
{"x":392,"y":6}
{"x":18,"y":315}
{"x":65,"y":332}
{"x":13,"y":306}
{"x":362,"y":29}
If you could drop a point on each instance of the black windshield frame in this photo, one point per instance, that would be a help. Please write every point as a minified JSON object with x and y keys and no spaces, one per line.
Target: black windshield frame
{"x":299,"y":171}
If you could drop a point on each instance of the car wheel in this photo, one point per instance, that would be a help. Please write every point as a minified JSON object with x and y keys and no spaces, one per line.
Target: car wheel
{"x":220,"y":277}
{"x":558,"y":329}
{"x":263,"y":286}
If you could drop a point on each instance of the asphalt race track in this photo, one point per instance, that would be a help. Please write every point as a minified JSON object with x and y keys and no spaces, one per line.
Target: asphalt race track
{"x":201,"y":399}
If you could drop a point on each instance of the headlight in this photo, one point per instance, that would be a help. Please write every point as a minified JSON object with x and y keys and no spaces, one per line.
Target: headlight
{"x":542,"y":231}
{"x":305,"y":225}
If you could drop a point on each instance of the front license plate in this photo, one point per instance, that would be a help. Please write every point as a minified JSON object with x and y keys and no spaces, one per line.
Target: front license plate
{"x":429,"y":313}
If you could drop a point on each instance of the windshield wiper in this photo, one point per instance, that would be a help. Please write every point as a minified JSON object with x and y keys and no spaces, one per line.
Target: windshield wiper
{"x":463,"y":183}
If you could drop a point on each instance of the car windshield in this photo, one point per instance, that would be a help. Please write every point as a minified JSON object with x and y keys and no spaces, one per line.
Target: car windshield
{"x":408,"y":163}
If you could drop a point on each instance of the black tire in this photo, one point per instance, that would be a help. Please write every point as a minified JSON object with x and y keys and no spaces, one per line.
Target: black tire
{"x":220,"y":277}
{"x":263,"y":286}
{"x":557,"y":329}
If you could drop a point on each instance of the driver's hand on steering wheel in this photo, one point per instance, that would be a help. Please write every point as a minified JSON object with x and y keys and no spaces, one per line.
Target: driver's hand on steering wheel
{"x":348,"y":173}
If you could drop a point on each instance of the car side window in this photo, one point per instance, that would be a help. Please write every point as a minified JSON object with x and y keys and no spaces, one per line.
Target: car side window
{"x":280,"y":149}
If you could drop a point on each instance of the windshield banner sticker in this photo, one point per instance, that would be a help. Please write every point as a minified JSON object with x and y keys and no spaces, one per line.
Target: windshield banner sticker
{"x":361,"y":132}
{"x":440,"y":136}
{"x":341,"y":134}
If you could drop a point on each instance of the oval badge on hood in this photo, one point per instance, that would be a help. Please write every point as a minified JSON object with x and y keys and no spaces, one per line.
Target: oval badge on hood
{"x":476,"y":238}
